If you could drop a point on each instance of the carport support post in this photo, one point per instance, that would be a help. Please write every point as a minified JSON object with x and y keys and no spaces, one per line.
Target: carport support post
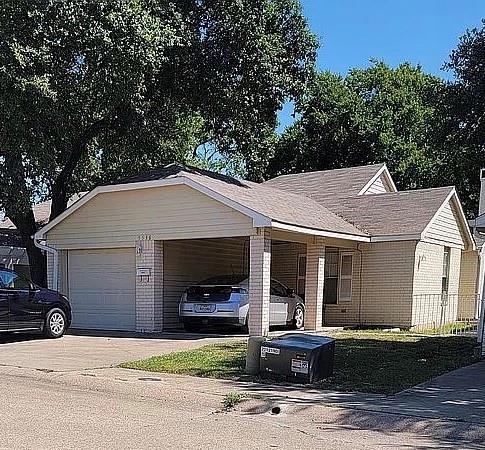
{"x":259,"y":282}
{"x":149,"y":289}
{"x":315,"y":275}
{"x":259,"y":294}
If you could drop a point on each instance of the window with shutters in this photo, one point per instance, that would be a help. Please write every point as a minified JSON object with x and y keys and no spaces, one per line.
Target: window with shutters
{"x":338,"y":276}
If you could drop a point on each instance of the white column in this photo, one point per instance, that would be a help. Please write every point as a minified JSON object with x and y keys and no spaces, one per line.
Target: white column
{"x":149,"y":285}
{"x":259,"y":282}
{"x":315,"y":276}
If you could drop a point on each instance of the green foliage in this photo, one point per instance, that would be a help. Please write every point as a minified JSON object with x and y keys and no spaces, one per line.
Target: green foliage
{"x":215,"y":361}
{"x":110,"y":88}
{"x":378,"y":114}
{"x":466,"y":117}
{"x":94,"y":90}
{"x":366,"y":361}
{"x":232,"y":399}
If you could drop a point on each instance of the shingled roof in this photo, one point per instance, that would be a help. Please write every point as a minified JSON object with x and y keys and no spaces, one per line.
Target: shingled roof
{"x":329,"y":202}
{"x":41,"y":211}
{"x":395,"y":213}
{"x":327,"y":184}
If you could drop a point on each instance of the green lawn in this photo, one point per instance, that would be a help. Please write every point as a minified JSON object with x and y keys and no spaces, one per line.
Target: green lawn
{"x":366,"y":361}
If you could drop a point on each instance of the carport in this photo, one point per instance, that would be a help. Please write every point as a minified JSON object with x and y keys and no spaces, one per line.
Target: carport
{"x":124,"y":253}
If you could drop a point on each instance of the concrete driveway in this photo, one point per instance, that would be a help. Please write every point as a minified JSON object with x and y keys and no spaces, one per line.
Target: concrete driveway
{"x":79,"y":352}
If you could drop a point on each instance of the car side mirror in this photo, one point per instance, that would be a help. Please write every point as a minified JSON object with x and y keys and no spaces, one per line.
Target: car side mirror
{"x":290,"y":292}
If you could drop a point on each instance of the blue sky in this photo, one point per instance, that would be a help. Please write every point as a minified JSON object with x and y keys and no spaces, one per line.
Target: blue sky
{"x":423,"y":32}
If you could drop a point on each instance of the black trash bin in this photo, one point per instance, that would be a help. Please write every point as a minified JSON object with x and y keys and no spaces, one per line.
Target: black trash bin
{"x":303,"y":357}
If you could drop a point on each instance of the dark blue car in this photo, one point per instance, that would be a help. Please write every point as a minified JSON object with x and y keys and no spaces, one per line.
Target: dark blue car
{"x":25,"y":306}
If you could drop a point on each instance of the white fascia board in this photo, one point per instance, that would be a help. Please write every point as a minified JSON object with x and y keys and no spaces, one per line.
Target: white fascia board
{"x":315,"y":232}
{"x":259,"y":220}
{"x":464,"y":221}
{"x":388,"y":176}
{"x":396,"y":237}
{"x":383,"y":170}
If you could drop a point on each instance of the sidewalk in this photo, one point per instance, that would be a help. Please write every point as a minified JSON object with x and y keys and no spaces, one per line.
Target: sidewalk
{"x":449,"y":409}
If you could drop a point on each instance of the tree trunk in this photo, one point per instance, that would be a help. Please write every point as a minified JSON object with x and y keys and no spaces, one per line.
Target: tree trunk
{"x":60,"y":188}
{"x":38,"y":263}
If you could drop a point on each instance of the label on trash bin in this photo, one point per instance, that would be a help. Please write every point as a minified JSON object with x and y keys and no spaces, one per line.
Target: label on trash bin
{"x":265,"y":350}
{"x":299,"y":366}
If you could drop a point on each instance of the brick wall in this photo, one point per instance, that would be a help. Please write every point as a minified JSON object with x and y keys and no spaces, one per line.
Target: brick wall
{"x":315,"y":273}
{"x":149,"y":298}
{"x":259,"y":282}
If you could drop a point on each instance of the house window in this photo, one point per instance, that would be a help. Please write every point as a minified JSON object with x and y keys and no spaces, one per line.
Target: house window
{"x":445,"y":277}
{"x":338,"y":276}
{"x":346,"y":263}
{"x":330,"y":290}
{"x":301,"y":275}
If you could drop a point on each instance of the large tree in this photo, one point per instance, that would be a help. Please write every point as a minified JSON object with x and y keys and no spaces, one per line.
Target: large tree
{"x":91,"y":90}
{"x":466,"y":117}
{"x":378,"y":114}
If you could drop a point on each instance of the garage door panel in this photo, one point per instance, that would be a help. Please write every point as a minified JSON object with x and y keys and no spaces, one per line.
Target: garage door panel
{"x":102,"y":289}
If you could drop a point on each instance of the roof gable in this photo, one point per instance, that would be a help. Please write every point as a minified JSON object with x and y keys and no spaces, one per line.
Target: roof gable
{"x":267,"y":206}
{"x":449,"y":226}
{"x":380,"y":183}
{"x":405,"y":215}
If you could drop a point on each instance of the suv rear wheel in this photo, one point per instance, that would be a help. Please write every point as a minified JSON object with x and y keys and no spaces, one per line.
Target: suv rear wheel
{"x":55,"y":323}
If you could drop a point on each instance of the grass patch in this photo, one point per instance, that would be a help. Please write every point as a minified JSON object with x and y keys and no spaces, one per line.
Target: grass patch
{"x":366,"y":361}
{"x":231,"y":399}
{"x":449,"y":328}
{"x":215,"y":361}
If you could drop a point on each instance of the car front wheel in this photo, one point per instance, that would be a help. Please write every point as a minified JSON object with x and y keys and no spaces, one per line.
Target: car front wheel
{"x":298,"y":317}
{"x":55,"y":323}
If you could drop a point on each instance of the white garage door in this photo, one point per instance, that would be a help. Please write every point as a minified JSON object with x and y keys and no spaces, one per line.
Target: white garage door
{"x":102,"y":289}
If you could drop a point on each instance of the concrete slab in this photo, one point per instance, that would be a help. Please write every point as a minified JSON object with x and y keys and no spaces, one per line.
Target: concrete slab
{"x":78,"y":352}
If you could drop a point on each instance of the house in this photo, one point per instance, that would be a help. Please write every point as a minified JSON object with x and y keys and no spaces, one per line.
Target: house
{"x":13,"y":254}
{"x":357,"y":249}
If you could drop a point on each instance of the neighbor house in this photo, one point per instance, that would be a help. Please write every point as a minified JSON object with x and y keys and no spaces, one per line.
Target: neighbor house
{"x":13,"y":254}
{"x":359,"y":251}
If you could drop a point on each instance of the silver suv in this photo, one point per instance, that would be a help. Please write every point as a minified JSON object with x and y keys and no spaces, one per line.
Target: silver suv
{"x":224,"y":300}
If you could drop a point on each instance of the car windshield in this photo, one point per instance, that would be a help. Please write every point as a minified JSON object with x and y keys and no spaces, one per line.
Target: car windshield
{"x":224,"y":280}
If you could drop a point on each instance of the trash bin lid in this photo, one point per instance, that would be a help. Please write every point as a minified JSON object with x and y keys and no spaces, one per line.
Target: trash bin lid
{"x":300,"y":340}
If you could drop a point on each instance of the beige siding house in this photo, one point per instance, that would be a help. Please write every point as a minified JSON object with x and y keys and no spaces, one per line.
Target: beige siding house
{"x":357,"y":250}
